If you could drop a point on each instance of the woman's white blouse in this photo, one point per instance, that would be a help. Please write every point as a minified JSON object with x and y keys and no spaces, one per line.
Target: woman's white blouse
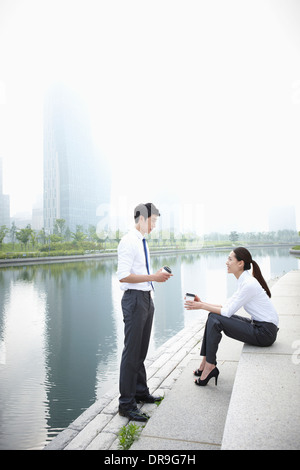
{"x":253,"y":298}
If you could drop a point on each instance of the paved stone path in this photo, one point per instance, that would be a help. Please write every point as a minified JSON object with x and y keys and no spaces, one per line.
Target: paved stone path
{"x":98,"y":426}
{"x":198,"y":418}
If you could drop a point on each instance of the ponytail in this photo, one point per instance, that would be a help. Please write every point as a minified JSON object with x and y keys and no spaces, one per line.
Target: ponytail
{"x":242,"y":254}
{"x":258,"y":275}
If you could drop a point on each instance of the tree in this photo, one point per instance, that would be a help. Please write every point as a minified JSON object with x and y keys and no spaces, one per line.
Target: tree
{"x":42,"y":236}
{"x":24,"y":234}
{"x":68,"y":234}
{"x":79,"y":235}
{"x":54,"y":238}
{"x":13,"y":231}
{"x":33,"y":238}
{"x":3,"y":232}
{"x":92,"y":234}
{"x":102,"y":237}
{"x":59,"y":227}
{"x":234,"y":236}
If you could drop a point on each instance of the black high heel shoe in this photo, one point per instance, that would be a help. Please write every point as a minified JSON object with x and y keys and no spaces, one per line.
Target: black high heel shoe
{"x":214,"y":373}
{"x":198,"y":372}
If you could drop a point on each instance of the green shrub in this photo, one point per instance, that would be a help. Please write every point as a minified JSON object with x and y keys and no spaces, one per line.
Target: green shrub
{"x":128,"y":434}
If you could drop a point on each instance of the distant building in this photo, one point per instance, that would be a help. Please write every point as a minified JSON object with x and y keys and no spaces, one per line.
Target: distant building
{"x":76,"y":178}
{"x":22,"y":219}
{"x":37,"y":218}
{"x":282,"y":218}
{"x":4,"y":202}
{"x":37,"y":222}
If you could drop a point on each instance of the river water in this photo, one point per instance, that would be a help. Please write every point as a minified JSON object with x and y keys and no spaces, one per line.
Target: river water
{"x":61,"y":332}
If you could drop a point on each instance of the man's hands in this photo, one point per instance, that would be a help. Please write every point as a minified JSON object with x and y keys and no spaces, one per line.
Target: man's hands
{"x":161,"y":276}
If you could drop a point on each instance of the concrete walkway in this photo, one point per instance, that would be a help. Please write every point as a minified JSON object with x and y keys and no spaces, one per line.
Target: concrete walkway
{"x":268,"y":382}
{"x":98,"y":426}
{"x":222,"y":417}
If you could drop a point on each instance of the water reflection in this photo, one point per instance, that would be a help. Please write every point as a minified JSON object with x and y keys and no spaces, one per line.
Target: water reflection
{"x":61,"y":333}
{"x":80,"y":334}
{"x":56,"y":327}
{"x":23,"y":366}
{"x":169,"y":314}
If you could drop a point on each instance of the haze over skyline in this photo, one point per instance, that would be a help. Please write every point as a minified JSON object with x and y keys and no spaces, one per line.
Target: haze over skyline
{"x":194,"y":104}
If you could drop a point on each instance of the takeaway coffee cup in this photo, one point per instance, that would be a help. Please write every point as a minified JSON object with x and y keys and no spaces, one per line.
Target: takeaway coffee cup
{"x":189,"y":296}
{"x":167,"y":269}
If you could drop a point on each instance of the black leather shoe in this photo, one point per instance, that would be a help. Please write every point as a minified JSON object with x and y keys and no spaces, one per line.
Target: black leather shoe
{"x":134,"y":414}
{"x":147,"y":399}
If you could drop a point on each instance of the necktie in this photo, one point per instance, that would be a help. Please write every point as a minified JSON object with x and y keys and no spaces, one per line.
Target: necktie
{"x":146,"y":257}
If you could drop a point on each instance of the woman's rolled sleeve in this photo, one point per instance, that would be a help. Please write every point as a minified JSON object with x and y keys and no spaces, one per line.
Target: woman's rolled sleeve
{"x":238,"y":300}
{"x":225,"y":311}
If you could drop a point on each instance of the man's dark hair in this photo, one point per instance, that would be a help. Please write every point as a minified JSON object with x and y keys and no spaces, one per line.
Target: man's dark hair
{"x":146,"y":210}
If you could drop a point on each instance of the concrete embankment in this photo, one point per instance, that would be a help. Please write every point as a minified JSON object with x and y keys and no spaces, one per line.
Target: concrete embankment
{"x":27,"y":260}
{"x":254,"y":406}
{"x":98,"y":426}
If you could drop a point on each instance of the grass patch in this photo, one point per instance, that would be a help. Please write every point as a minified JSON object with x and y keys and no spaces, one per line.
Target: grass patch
{"x":128,"y":434}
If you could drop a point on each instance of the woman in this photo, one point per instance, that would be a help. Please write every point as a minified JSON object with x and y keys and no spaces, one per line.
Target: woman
{"x":254,"y":295}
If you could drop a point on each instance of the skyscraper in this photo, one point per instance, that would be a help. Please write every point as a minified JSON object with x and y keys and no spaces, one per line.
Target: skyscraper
{"x":4,"y":202}
{"x":76,"y":178}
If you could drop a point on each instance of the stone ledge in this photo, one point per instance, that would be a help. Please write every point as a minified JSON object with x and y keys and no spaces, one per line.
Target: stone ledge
{"x":98,"y":426}
{"x":264,"y":412}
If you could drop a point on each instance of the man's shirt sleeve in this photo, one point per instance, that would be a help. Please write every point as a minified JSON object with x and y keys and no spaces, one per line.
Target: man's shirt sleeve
{"x":125,"y":259}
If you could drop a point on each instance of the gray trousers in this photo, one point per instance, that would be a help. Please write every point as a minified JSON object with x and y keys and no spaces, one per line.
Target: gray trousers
{"x":240,"y":328}
{"x":138,"y":310}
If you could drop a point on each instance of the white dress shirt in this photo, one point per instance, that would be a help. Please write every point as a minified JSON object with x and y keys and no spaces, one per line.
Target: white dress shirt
{"x":253,"y":298}
{"x":131,"y":260}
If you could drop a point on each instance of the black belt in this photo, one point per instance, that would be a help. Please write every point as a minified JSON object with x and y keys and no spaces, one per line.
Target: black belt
{"x":139,"y":290}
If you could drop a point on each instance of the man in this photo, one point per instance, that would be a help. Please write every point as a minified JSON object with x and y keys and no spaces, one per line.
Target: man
{"x":137,"y":281}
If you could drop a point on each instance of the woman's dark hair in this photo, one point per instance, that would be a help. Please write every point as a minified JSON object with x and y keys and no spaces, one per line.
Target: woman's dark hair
{"x":242,"y":254}
{"x":146,"y":210}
